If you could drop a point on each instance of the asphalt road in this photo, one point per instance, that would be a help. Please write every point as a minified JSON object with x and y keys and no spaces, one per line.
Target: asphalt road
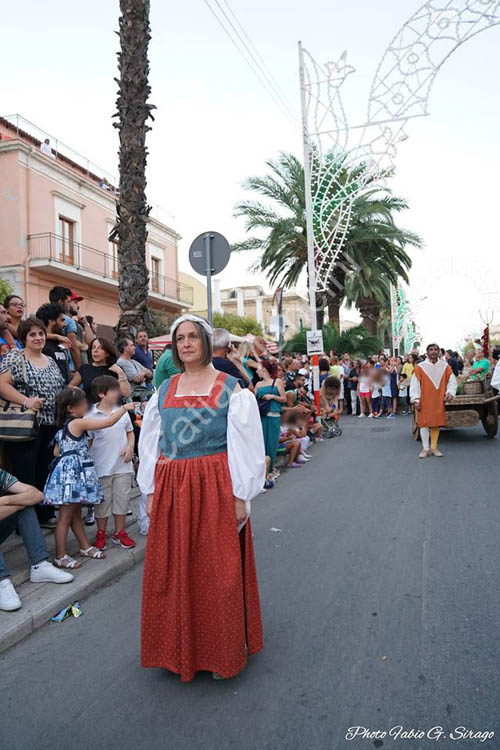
{"x":381,"y":607}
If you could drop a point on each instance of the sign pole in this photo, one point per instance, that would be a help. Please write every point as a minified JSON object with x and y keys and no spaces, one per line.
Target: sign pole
{"x":311,"y":266}
{"x":208,"y":271}
{"x":280,"y":324}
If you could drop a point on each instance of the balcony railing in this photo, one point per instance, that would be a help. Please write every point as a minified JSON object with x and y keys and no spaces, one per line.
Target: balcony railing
{"x":78,"y":257}
{"x":107,"y":181}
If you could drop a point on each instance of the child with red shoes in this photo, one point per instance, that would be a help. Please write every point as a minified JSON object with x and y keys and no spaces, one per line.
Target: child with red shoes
{"x":112,"y":451}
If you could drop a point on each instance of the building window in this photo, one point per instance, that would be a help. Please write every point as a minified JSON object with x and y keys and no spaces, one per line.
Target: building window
{"x":155,"y":274}
{"x":67,"y":240}
{"x":113,"y":250}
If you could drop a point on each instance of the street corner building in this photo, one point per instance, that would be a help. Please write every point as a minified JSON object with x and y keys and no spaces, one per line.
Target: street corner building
{"x":56,"y":212}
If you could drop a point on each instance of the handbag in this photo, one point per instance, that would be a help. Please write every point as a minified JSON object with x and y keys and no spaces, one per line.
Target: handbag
{"x":17,"y":423}
{"x":264,"y":405}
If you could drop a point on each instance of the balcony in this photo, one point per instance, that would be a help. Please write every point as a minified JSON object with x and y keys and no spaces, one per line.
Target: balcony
{"x":28,"y":131}
{"x":71,"y":260}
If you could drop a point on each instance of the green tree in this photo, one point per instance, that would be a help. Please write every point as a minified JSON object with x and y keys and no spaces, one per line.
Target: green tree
{"x":132,"y":208}
{"x":5,"y":289}
{"x":355,"y":341}
{"x":239,"y":325}
{"x":374,"y":245}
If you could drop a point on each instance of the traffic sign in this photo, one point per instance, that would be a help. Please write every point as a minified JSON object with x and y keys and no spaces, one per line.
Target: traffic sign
{"x":314,"y":342}
{"x":209,"y":254}
{"x":219,"y":251}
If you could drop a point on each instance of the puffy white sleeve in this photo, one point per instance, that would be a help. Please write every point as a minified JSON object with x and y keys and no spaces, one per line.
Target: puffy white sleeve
{"x":414,"y":388}
{"x":495,"y":378}
{"x":451,"y":387}
{"x":245,"y":446}
{"x":149,"y":446}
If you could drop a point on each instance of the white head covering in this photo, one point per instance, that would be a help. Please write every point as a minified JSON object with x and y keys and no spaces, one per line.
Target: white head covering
{"x":194,"y":319}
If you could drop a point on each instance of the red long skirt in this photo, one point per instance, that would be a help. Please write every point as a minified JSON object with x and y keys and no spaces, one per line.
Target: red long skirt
{"x":200,"y":604}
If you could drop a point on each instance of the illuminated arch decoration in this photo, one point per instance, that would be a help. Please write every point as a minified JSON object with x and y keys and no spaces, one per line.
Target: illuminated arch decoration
{"x":399,"y":92}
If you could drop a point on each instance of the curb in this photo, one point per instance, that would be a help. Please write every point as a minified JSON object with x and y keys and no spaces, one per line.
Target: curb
{"x":41,"y":601}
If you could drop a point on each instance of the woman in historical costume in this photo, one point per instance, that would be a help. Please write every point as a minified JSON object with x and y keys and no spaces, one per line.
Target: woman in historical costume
{"x":201,"y":462}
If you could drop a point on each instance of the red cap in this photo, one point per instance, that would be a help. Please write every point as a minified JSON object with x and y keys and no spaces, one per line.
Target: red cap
{"x":75,"y":297}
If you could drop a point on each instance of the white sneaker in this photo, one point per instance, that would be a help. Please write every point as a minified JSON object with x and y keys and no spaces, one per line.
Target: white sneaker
{"x":45,"y":572}
{"x":9,"y":600}
{"x":361,"y":416}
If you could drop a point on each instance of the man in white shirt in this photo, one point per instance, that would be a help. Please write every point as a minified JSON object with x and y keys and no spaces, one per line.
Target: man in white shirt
{"x":495,"y":378}
{"x":46,"y":149}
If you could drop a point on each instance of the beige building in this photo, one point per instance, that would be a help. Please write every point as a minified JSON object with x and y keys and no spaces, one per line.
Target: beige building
{"x":254,"y":302}
{"x":199,"y":304}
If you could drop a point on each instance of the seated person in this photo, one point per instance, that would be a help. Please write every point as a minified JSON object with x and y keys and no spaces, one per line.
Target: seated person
{"x":298,"y":424}
{"x":480,"y":367}
{"x":297,"y":398}
{"x":17,"y":513}
{"x":292,"y":445}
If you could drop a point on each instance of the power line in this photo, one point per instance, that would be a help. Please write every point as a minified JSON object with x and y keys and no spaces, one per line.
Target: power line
{"x":256,"y":69}
{"x":262,"y":64}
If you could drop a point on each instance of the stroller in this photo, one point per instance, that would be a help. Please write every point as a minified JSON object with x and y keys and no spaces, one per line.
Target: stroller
{"x":331,"y":427}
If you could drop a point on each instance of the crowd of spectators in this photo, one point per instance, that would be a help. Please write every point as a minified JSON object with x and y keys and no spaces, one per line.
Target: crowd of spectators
{"x":81,"y":385}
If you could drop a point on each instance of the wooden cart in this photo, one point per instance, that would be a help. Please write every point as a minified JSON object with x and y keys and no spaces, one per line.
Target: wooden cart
{"x":467,"y":410}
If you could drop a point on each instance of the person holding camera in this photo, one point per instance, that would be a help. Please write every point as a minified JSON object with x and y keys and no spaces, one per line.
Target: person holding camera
{"x":225,"y":359}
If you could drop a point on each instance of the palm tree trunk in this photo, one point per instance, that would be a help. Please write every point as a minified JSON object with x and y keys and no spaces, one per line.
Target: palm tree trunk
{"x":336,"y":292}
{"x":369,"y":310}
{"x":132,"y":208}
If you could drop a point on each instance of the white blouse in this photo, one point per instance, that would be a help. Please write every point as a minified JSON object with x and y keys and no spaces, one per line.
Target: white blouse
{"x":245,"y":446}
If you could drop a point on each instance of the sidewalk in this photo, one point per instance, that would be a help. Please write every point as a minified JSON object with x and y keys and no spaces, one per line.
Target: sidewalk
{"x":41,"y":601}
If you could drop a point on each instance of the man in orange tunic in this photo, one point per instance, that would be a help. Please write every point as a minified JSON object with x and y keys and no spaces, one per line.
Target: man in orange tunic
{"x":432,"y":385}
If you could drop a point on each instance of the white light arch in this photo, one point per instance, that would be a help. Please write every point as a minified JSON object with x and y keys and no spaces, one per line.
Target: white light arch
{"x":400,"y":91}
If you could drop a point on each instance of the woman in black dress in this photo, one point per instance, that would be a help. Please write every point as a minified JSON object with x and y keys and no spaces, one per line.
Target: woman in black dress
{"x":103,"y":356}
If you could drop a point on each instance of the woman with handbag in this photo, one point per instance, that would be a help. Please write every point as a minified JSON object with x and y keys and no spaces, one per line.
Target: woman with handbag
{"x":32,"y":380}
{"x":270,"y":394}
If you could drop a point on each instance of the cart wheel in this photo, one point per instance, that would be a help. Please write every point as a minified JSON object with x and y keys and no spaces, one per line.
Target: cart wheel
{"x":414,"y":425}
{"x":489,"y":419}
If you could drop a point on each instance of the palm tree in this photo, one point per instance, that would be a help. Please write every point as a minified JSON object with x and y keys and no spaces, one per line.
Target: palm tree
{"x":355,"y":340}
{"x":373,"y":241}
{"x":132,"y":209}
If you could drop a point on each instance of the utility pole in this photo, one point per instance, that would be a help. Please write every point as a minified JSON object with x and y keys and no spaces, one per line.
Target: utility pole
{"x":311,"y":265}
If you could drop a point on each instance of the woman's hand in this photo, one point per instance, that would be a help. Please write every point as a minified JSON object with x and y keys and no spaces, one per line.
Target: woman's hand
{"x":240,"y":510}
{"x":33,"y":403}
{"x":116,"y":369}
{"x":149,"y":504}
{"x":268,"y":397}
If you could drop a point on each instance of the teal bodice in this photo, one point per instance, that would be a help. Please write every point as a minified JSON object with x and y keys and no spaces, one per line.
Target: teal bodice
{"x":194,"y":426}
{"x":276,"y":407}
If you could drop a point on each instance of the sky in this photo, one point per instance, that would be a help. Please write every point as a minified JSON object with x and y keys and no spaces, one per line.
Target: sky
{"x":215,"y":125}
